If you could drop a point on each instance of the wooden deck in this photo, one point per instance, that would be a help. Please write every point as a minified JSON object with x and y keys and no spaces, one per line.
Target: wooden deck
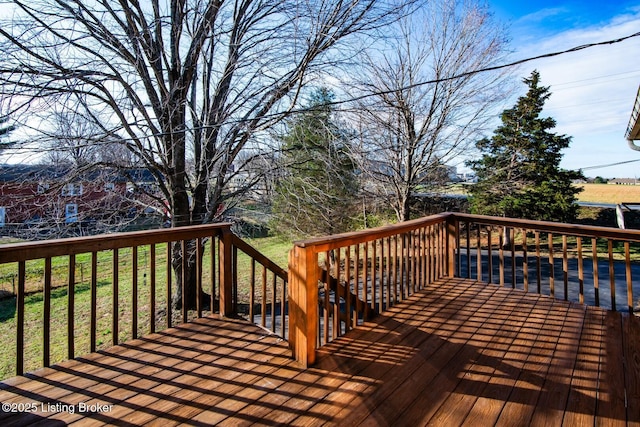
{"x":457,"y":353}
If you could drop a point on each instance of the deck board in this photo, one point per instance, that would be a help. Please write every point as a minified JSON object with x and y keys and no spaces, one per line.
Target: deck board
{"x":456,"y":353}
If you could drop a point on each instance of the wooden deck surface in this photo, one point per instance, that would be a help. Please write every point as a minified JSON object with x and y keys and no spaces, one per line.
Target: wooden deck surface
{"x":458,"y":353}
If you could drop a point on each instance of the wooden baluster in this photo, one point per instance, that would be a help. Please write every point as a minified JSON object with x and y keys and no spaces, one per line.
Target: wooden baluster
{"x":552,"y":289}
{"x":71,"y":292}
{"x":468,"y":250}
{"x":512,"y":232}
{"x":387,"y":267}
{"x":401,"y":266}
{"x":274,"y":291}
{"x":430,"y":254}
{"x":382,"y":265}
{"x":459,"y":251}
{"x":423,"y":258}
{"x":263,"y":300}
{"x":413,"y":260}
{"x":435,"y":252}
{"x":565,"y":267}
{"x":374,"y":270}
{"x":327,"y":293}
{"x":490,"y":257}
{"x":538,"y":266}
{"x":227,"y":271}
{"x":199,"y":277}
{"x":169,"y":280}
{"x":501,"y":238}
{"x":337,"y":327}
{"x":356,"y":285}
{"x":93,"y":301}
{"x":627,"y":263}
{"x":234,"y":280}
{"x":478,"y":254}
{"x":283,"y":305}
{"x":152,"y":289}
{"x":115,"y":312}
{"x":525,"y":261}
{"x":20,"y":318}
{"x":347,"y":289}
{"x":612,"y":275}
{"x":134,"y":292}
{"x":580,"y":270}
{"x":398,"y":289}
{"x":596,"y":286}
{"x":46,"y":327}
{"x":366,"y":281}
{"x":252,"y":289}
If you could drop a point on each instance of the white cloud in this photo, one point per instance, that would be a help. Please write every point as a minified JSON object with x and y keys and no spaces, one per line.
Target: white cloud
{"x":593,"y":91}
{"x":542,"y":15}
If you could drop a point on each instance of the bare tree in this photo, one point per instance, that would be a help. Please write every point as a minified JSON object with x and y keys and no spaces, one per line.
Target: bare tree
{"x":185,"y":84}
{"x":410,"y":130}
{"x":69,"y":144}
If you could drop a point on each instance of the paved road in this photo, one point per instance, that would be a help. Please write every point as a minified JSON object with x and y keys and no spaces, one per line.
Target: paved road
{"x":604,"y":283}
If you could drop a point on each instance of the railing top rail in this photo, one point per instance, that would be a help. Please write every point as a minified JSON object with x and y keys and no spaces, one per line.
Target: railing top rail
{"x":554,"y":227}
{"x":14,"y":252}
{"x":327,"y":243}
{"x":262,"y":259}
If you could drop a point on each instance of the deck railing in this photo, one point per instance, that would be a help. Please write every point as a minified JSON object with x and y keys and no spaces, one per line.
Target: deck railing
{"x":591,"y":265}
{"x":75,"y":296}
{"x":260,"y":288}
{"x":87,"y":293}
{"x":337,"y":281}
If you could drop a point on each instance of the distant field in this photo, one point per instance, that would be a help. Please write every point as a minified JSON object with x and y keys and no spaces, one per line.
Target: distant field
{"x":605,"y":193}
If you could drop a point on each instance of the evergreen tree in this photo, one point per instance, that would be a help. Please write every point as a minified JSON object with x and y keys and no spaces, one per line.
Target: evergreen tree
{"x":519,"y":173}
{"x":316,"y":191}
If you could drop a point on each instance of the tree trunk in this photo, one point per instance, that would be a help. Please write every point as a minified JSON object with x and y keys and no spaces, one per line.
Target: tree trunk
{"x":187,"y":271}
{"x":507,"y":237}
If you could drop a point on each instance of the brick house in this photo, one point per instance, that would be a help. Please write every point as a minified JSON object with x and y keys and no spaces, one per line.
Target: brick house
{"x":50,"y":197}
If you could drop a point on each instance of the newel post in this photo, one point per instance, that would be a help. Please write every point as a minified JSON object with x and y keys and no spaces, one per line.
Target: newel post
{"x":303,"y":304}
{"x":226,"y":273}
{"x":451,"y":245}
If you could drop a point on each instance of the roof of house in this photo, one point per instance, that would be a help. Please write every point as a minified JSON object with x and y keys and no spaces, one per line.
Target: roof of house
{"x":36,"y":173}
{"x":633,"y":129}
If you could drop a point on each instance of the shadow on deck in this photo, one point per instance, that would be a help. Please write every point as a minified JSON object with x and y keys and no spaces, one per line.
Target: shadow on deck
{"x":455,"y":353}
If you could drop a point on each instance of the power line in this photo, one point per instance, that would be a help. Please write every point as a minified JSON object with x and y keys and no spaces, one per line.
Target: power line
{"x":597,"y":78}
{"x":415,"y":85}
{"x":609,"y":165}
{"x":482,"y":70}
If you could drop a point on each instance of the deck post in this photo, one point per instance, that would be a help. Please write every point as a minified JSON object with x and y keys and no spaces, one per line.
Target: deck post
{"x":226,"y":273}
{"x":303,"y":304}
{"x":451,"y":246}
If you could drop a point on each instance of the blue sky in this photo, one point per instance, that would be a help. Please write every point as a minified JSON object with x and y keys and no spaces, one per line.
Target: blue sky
{"x":593,"y":91}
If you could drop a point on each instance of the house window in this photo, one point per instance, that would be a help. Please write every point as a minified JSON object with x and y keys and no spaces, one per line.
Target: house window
{"x":72,"y":189}
{"x":71,"y":213}
{"x":109,"y":186}
{"x":43,"y":187}
{"x":3,"y":215}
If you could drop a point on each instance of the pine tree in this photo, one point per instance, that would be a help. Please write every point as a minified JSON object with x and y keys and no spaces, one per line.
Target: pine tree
{"x":317,"y":189}
{"x":519,"y":173}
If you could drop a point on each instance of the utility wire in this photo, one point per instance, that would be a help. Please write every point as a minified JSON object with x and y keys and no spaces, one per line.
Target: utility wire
{"x":494,"y":68}
{"x":609,"y":165}
{"x":415,"y":85}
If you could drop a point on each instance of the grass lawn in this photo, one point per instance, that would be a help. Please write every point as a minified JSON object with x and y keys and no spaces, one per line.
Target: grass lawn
{"x":595,"y":193}
{"x":34,"y":307}
{"x":606,"y":193}
{"x":274,"y":248}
